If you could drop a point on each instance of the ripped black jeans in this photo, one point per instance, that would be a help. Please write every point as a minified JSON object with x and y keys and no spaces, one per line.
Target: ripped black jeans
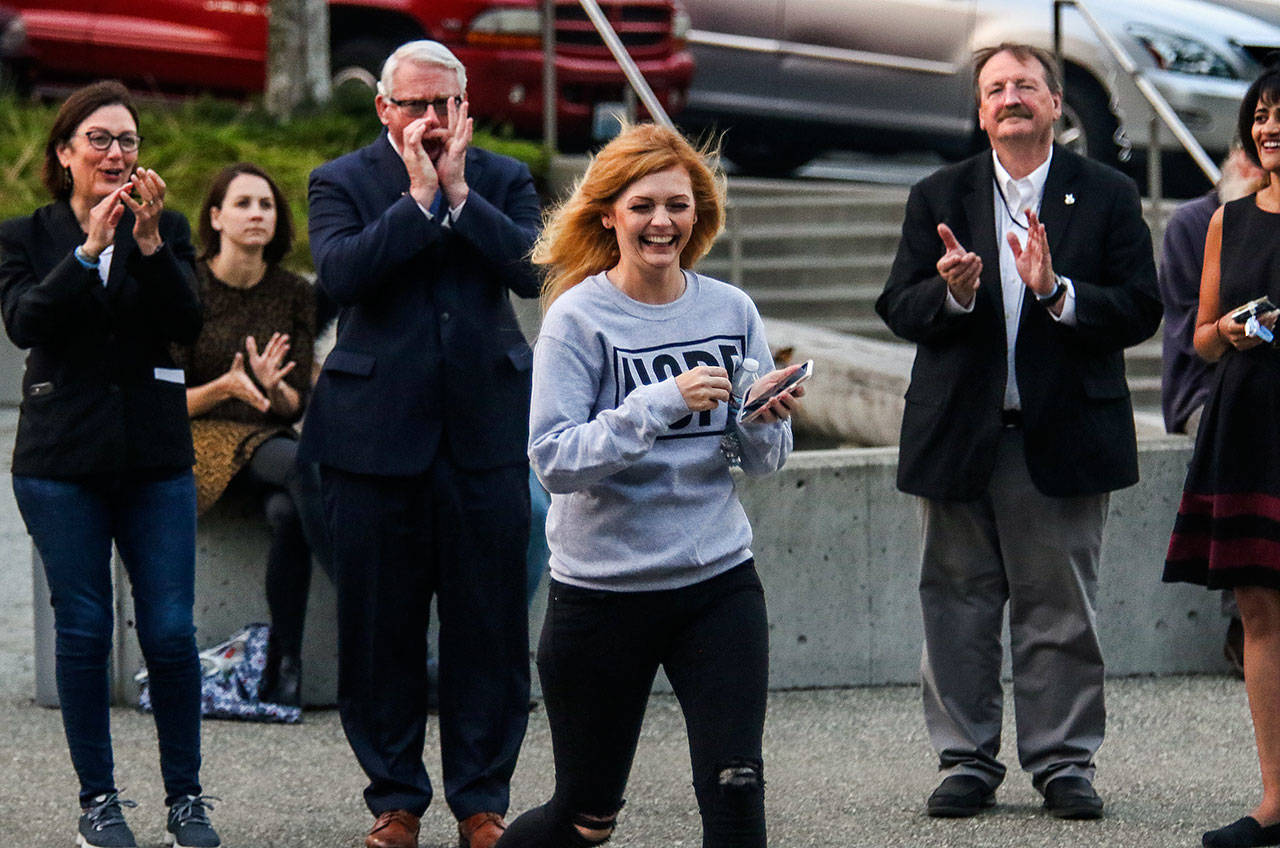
{"x":597,"y":659}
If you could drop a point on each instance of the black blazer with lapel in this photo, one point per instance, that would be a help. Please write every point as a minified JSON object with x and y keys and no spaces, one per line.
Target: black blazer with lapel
{"x":1078,"y":420}
{"x":429,"y":355}
{"x":92,"y":400}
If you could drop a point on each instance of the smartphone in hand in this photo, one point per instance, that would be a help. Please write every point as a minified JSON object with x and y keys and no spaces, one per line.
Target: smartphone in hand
{"x":750,"y":411}
{"x":1253,"y":309}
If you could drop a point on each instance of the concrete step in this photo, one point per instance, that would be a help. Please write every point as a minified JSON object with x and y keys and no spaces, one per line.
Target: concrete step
{"x":820,"y":253}
{"x":765,"y":240}
{"x":788,"y":272}
{"x":1145,"y":392}
{"x":816,"y":304}
{"x":1144,"y":360}
{"x":816,"y":207}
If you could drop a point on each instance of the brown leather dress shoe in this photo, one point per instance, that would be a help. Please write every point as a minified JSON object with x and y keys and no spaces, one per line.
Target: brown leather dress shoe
{"x":393,"y":829}
{"x":480,"y":831}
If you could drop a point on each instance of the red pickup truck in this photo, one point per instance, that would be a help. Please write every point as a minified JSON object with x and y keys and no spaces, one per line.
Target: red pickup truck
{"x":220,"y":46}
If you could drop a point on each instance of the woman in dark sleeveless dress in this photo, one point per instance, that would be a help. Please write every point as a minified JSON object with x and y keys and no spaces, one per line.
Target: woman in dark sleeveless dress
{"x":1227,"y":533}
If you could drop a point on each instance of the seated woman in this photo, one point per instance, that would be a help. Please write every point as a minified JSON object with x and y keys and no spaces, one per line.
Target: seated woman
{"x":248,"y":375}
{"x":650,"y":549}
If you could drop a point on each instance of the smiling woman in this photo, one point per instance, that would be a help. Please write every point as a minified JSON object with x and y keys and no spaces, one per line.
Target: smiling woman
{"x":1225,"y":533}
{"x":98,"y":284}
{"x":650,"y":557}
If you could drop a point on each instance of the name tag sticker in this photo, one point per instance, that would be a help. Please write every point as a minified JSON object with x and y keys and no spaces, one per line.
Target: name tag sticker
{"x":171,"y":375}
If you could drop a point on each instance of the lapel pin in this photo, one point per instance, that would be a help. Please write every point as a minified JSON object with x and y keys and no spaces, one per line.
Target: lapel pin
{"x":1070,"y":200}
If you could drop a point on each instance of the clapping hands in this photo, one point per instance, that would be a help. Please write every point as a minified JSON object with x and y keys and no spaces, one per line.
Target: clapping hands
{"x":960,"y":269}
{"x":261,"y":383}
{"x":269,"y":366}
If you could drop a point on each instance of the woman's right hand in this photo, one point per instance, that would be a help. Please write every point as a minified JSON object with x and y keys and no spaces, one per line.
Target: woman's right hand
{"x":237,"y":384}
{"x":704,"y":387}
{"x":103,"y":218}
{"x":1234,"y":333}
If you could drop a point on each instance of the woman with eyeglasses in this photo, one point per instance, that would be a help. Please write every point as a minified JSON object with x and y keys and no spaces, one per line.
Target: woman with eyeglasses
{"x":249,"y":374}
{"x":97,"y":285}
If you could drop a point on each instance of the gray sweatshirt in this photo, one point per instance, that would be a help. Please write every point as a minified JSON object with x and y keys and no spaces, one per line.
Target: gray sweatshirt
{"x":641,"y":497}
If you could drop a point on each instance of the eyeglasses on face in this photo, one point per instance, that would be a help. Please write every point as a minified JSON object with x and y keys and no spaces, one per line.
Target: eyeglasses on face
{"x":418,"y":108}
{"x":101,"y":140}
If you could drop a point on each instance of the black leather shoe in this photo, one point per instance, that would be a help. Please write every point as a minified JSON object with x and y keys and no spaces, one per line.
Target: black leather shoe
{"x":1072,"y":798}
{"x":282,"y":681}
{"x":1242,"y":833}
{"x":960,"y":796}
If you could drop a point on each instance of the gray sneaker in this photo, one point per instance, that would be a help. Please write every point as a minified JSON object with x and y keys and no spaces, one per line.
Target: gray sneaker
{"x":189,"y":826}
{"x":102,"y":823}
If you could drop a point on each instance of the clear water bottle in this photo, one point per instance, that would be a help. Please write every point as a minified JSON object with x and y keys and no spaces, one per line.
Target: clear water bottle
{"x":745,"y":372}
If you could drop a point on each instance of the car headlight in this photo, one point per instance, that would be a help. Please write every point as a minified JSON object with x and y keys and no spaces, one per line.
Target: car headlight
{"x":1181,"y":54}
{"x":512,"y":28}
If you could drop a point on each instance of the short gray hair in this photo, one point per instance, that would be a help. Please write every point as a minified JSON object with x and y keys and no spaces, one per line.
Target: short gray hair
{"x":423,"y":52}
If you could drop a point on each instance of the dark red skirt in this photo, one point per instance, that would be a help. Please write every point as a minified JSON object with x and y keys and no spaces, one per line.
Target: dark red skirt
{"x":1227,"y":540}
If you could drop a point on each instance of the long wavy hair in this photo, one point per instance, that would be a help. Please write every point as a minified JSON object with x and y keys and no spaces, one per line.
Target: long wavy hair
{"x":575,"y":244}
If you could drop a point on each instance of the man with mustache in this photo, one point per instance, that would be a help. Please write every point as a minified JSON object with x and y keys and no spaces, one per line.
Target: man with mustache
{"x":419,"y":422}
{"x":1021,"y":276}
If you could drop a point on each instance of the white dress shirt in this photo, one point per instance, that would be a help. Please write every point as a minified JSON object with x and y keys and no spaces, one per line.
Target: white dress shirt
{"x":1012,"y":199}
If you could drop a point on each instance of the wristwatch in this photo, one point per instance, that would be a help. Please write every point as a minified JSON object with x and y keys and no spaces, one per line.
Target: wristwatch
{"x":1048,"y":300}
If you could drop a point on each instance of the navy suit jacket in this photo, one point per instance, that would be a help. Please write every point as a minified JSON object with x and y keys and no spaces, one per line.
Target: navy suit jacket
{"x":429,"y":356}
{"x":1078,"y":420}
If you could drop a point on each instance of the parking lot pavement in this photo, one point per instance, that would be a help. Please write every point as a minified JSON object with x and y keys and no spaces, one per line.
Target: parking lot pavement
{"x":844,"y":768}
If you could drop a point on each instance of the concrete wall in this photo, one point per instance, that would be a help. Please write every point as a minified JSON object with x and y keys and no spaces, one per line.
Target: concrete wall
{"x":231,"y":557}
{"x":838,"y":549}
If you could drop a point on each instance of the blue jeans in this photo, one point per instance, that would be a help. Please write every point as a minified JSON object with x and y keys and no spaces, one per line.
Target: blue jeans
{"x":538,"y":554}
{"x":153,"y":523}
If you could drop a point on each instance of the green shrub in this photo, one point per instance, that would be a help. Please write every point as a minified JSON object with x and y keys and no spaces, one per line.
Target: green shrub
{"x":189,"y":141}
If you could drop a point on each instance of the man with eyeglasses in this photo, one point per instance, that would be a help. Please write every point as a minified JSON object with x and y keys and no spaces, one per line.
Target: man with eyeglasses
{"x":419,"y":422}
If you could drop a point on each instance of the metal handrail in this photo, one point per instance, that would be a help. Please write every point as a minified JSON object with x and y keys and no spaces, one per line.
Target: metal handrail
{"x":638,"y":86}
{"x":1158,"y":103}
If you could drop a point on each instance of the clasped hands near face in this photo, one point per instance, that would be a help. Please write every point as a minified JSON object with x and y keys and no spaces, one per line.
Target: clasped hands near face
{"x":961,"y":269}
{"x":268,"y":367}
{"x":707,"y":386}
{"x":435,"y":155}
{"x":106,"y":213}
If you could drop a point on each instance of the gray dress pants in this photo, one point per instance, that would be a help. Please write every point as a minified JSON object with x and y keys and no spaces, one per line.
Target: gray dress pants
{"x":1040,"y":555}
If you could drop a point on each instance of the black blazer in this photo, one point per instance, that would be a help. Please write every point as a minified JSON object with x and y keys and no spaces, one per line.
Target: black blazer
{"x":429,"y":355}
{"x":93,"y":401}
{"x":1078,"y":419}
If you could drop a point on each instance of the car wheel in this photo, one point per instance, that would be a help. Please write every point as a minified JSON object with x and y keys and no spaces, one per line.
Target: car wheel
{"x":765,"y":157}
{"x":357,"y":62}
{"x":1088,"y":126}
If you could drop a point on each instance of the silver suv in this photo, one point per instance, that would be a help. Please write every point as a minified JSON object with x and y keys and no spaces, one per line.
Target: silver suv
{"x":790,"y":78}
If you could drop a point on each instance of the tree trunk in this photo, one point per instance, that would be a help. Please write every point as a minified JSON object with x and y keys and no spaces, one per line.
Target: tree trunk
{"x":297,"y":55}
